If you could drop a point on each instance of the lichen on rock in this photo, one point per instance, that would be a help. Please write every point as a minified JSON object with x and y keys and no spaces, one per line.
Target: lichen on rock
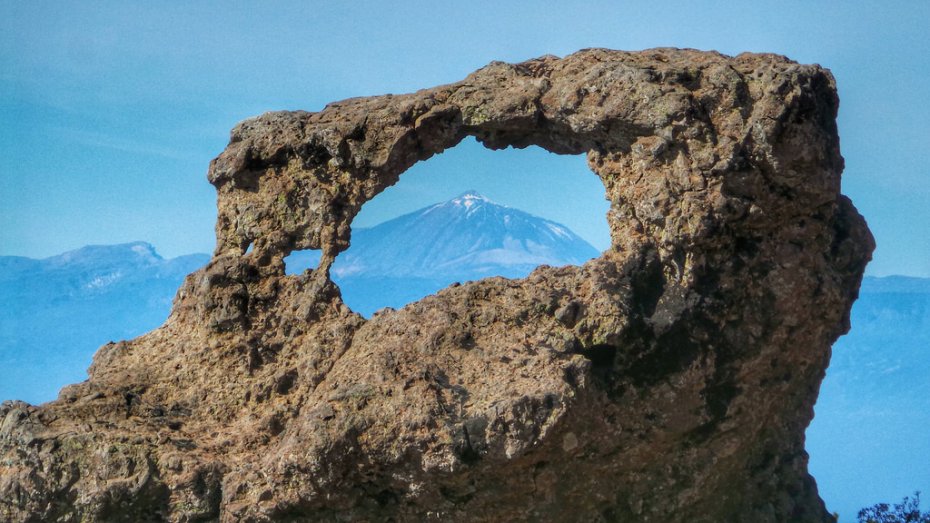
{"x":670,"y":379}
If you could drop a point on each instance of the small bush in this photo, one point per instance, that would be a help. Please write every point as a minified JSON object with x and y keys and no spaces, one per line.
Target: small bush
{"x":908,"y":511}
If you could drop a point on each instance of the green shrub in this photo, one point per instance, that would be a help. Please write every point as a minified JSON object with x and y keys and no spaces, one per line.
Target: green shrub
{"x":908,"y":511}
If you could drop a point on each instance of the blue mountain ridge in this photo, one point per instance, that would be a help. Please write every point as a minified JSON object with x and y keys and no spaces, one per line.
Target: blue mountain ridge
{"x":57,"y":311}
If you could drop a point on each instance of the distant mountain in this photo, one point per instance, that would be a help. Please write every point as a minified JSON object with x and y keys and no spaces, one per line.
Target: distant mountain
{"x":469,"y":236}
{"x":466,"y":238}
{"x":57,"y":311}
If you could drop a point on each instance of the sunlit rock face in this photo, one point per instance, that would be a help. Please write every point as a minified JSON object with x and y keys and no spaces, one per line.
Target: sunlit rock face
{"x":669,"y":379}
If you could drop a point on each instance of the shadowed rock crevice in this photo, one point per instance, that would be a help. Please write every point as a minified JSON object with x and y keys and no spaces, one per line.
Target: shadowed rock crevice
{"x":670,"y":379}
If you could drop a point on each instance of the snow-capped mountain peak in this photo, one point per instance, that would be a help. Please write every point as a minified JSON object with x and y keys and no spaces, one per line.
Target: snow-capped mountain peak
{"x":468,"y":199}
{"x":96,"y":255}
{"x":467,"y":202}
{"x":466,"y":237}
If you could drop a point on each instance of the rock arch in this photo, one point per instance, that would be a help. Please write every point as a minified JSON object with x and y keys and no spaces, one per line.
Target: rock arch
{"x":296,"y":180}
{"x":670,"y":380}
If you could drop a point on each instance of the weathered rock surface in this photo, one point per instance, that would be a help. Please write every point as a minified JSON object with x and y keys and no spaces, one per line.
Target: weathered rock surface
{"x":671,"y":379}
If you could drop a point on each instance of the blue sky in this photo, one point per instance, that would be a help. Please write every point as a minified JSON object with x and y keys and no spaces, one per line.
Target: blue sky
{"x":111,"y":111}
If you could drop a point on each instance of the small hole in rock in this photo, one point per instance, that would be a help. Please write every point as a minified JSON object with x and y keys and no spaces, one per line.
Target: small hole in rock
{"x":248,"y":250}
{"x":297,"y":262}
{"x":467,"y":214}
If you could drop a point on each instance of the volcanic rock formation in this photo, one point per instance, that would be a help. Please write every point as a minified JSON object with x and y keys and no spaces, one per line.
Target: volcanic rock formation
{"x":669,"y":380}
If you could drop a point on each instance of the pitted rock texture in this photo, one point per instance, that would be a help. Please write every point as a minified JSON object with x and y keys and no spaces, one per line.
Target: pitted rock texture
{"x":669,"y":380}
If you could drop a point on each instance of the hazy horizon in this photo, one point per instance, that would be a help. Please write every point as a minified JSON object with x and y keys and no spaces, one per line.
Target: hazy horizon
{"x":112,"y":112}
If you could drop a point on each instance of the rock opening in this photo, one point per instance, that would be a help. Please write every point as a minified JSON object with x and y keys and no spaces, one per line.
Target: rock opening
{"x":645,"y":385}
{"x":300,"y":262}
{"x":448,"y":233}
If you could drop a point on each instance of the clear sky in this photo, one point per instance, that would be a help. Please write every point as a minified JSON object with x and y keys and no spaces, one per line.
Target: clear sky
{"x":111,"y":111}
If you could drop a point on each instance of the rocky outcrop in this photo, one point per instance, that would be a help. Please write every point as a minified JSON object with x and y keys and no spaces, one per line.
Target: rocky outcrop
{"x":671,"y":379}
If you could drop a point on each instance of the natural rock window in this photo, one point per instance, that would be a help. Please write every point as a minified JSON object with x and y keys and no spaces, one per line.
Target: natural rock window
{"x":299,"y":262}
{"x":464,"y":235}
{"x":670,"y":379}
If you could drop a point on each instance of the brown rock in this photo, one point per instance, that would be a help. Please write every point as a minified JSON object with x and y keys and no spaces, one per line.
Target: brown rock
{"x":669,"y":380}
